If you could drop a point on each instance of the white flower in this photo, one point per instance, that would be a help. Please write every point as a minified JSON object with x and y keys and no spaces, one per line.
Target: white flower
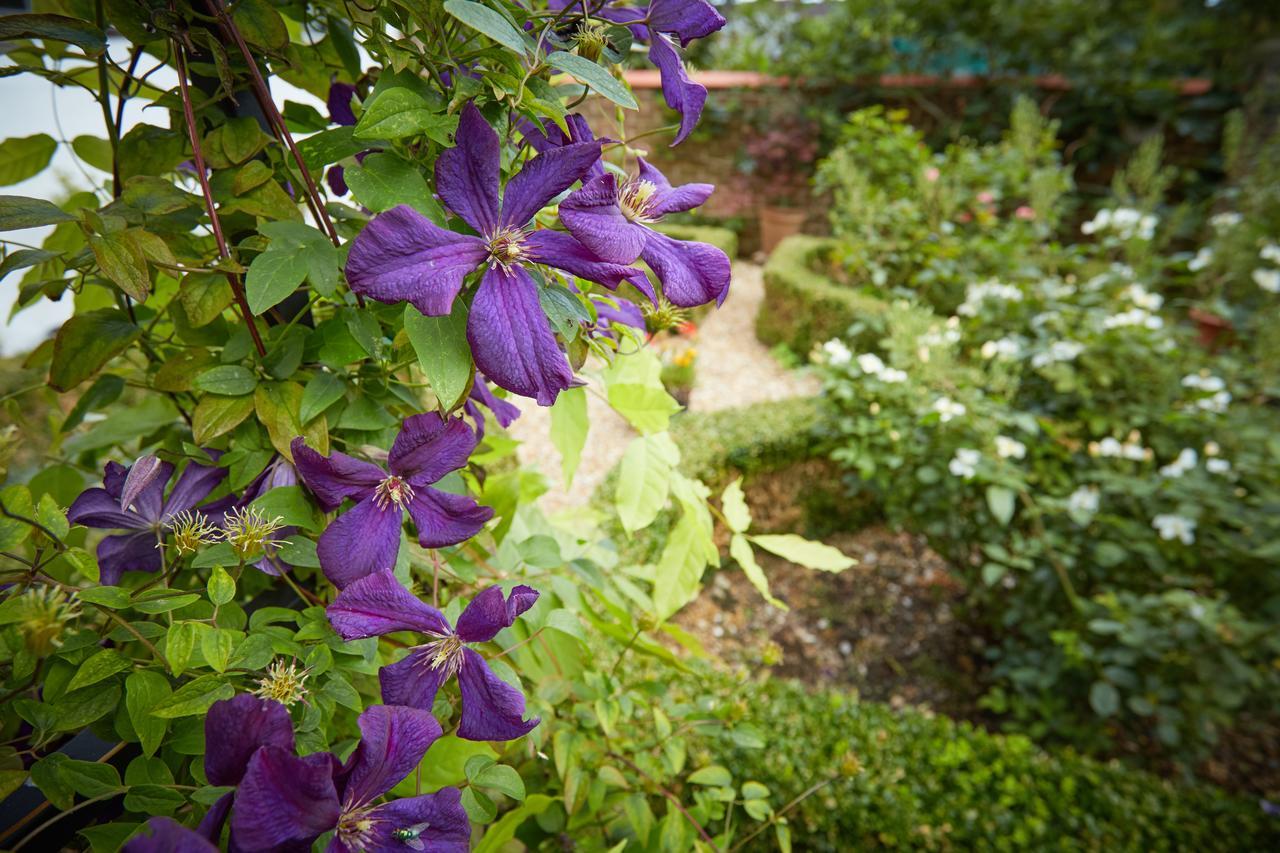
{"x":976,"y":294}
{"x":1058,"y":351}
{"x":1186,"y":460}
{"x":1133,"y":317}
{"x":1177,"y":527}
{"x":1144,"y":298}
{"x":1125,"y":221}
{"x":893,"y":374}
{"x":836,"y":352}
{"x":1217,"y":466}
{"x":948,"y":408}
{"x":1008,"y":348}
{"x":1203,"y":382}
{"x":1211,"y":448}
{"x":1083,"y":502}
{"x":1268,"y":280}
{"x":1110,"y":447}
{"x":1270,"y":252}
{"x":1010,"y":448}
{"x":870,"y":363}
{"x":965,"y":463}
{"x":1202,"y":259}
{"x":1215,"y":404}
{"x":1100,"y":222}
{"x":1133,"y":451}
{"x":1225,"y":221}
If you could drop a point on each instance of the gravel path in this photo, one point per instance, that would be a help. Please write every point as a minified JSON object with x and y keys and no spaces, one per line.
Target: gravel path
{"x":734,"y":369}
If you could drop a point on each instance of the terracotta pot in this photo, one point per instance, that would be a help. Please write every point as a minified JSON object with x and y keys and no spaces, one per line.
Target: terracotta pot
{"x":778,"y":223}
{"x":1210,"y":327}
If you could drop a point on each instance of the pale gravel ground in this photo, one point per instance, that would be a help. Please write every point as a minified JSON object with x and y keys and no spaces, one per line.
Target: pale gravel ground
{"x":734,"y":369}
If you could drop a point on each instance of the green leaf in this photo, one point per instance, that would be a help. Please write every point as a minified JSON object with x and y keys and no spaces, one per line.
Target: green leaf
{"x":713,"y":776}
{"x":740,"y":550}
{"x":288,"y":505}
{"x":595,"y":76}
{"x":384,"y":181}
{"x":1001,"y":503}
{"x":733,"y":503}
{"x":24,"y":258}
{"x":215,"y":416}
{"x":274,"y":275}
{"x":644,"y":479}
{"x":22,"y":157}
{"x":1104,"y":698}
{"x":487,"y":21}
{"x":299,"y":551}
{"x":399,"y":112}
{"x":49,"y":514}
{"x":104,"y":391}
{"x":804,"y":552}
{"x":153,"y":800}
{"x":82,"y":34}
{"x":104,"y":664}
{"x":144,"y":690}
{"x":221,"y":586}
{"x":165,"y":603}
{"x":496,"y":835}
{"x":86,"y":342}
{"x":329,"y":146}
{"x":89,"y":778}
{"x":502,"y":778}
{"x":194,"y":697}
{"x":443,"y":351}
{"x":646,"y":408}
{"x":110,"y":597}
{"x":679,"y":571}
{"x":277,"y":405}
{"x":217,"y":644}
{"x":17,"y":211}
{"x":478,"y":806}
{"x":123,"y":261}
{"x":261,"y":25}
{"x":569,"y":424}
{"x":179,"y":643}
{"x":93,"y":150}
{"x":227,"y":380}
{"x":45,"y":776}
{"x":253,"y":652}
{"x":321,"y":392}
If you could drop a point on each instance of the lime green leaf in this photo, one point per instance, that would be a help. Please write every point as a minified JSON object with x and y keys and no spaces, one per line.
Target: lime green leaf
{"x":501,"y":778}
{"x":713,"y":776}
{"x":443,"y":351}
{"x":487,"y":21}
{"x":215,"y":416}
{"x":86,"y":342}
{"x":595,"y":76}
{"x":227,"y":380}
{"x":679,"y":571}
{"x":194,"y":697}
{"x":569,"y":424}
{"x":180,"y":642}
{"x":399,"y":112}
{"x":733,"y":503}
{"x":93,"y":150}
{"x":1000,"y":501}
{"x":644,"y":479}
{"x":804,"y":552}
{"x":261,"y":25}
{"x":273,"y":275}
{"x":110,"y":597}
{"x":22,"y":157}
{"x":740,"y":550}
{"x":123,"y":261}
{"x":221,"y":586}
{"x":288,"y":505}
{"x":104,"y":664}
{"x":143,"y":690}
{"x":329,"y":146}
{"x":216,"y":644}
{"x":384,"y":181}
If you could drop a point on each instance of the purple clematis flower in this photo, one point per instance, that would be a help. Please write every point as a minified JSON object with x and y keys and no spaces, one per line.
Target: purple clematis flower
{"x":286,"y":802}
{"x":403,"y":256}
{"x":367,"y":538}
{"x":133,"y":499}
{"x":491,"y":708}
{"x":505,"y":413}
{"x":613,"y":220}
{"x":662,"y":23}
{"x":166,"y":835}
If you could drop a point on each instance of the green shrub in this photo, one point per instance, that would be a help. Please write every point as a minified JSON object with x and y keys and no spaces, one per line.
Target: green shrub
{"x":802,"y":306}
{"x":912,"y":780}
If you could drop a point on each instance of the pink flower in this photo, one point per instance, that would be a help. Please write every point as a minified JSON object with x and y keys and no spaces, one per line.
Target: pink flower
{"x":931,"y":174}
{"x":965,"y":216}
{"x":1025,"y":212}
{"x":985,"y":197}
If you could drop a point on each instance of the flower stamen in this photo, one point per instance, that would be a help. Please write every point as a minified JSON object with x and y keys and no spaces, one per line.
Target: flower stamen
{"x":636,"y":199}
{"x":284,"y":683}
{"x":444,"y":653}
{"x":191,"y":530}
{"x":250,"y":532}
{"x":507,"y":249}
{"x":393,"y":490}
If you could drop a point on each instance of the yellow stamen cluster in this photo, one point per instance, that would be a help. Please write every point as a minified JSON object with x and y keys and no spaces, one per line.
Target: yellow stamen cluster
{"x":592,"y":40}
{"x":507,"y":249}
{"x":191,"y":530}
{"x":444,"y":653}
{"x":635,"y":197}
{"x":249,"y":531}
{"x":43,"y":615}
{"x":393,"y":490}
{"x":663,"y":316}
{"x":284,"y":682}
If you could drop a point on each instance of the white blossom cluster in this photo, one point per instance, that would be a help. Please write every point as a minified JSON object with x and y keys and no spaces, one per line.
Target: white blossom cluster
{"x":1010,"y":448}
{"x":1268,"y":279}
{"x":976,"y":294}
{"x":1057,"y":351}
{"x":1219,"y":397}
{"x":1179,"y":527}
{"x":1131,"y":448}
{"x":1003,"y":348}
{"x":965,"y":463}
{"x":1126,"y":222}
{"x":1186,"y":461}
{"x":948,"y":409}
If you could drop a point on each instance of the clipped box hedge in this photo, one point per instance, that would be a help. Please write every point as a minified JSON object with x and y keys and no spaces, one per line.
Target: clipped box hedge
{"x":910,"y":780}
{"x":803,"y":307}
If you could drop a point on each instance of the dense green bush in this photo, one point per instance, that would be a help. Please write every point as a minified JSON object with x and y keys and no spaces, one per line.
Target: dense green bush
{"x":912,"y":780}
{"x":802,"y":306}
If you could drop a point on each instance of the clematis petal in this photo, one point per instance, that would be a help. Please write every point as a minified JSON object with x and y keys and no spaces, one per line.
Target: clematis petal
{"x":491,"y":708}
{"x":545,"y":177}
{"x":284,"y":801}
{"x":166,"y":835}
{"x":505,"y":413}
{"x":336,"y":177}
{"x":445,"y":827}
{"x":467,"y":174}
{"x":113,"y":476}
{"x":363,"y":540}
{"x":194,"y":485}
{"x":489,"y":612}
{"x":625,"y":313}
{"x":691,"y":273}
{"x":669,"y":199}
{"x":592,"y":215}
{"x":401,"y":256}
{"x":377,"y":605}
{"x":129,"y":552}
{"x":339,"y":103}
{"x":685,"y":19}
{"x":412,"y":681}
{"x":446,"y":519}
{"x":97,"y":508}
{"x":336,"y":476}
{"x":142,"y":473}
{"x":511,"y":339}
{"x":563,"y":251}
{"x":429,"y":447}
{"x":678,"y":89}
{"x":393,"y":739}
{"x":235,"y":728}
{"x":547,"y":135}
